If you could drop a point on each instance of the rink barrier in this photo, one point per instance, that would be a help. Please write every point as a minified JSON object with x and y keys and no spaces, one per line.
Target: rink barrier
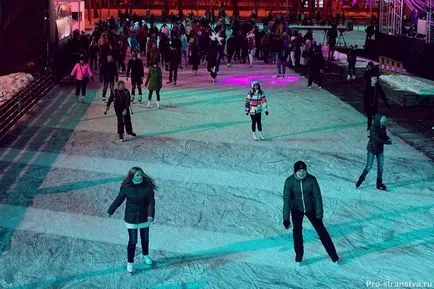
{"x":20,"y":103}
{"x":390,"y":65}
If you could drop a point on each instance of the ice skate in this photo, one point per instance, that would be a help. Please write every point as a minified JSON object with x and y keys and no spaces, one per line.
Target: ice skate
{"x":254,"y":136}
{"x":130,"y":267}
{"x":261,"y":136}
{"x":158,"y":104}
{"x":359,"y":181}
{"x":147,"y":260}
{"x":381,"y":186}
{"x":148,"y":105}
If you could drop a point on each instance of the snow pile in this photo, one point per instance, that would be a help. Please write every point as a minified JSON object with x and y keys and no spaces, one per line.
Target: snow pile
{"x":12,"y":83}
{"x":413,"y":84}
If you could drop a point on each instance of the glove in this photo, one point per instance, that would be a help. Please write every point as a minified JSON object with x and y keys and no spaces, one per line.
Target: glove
{"x":150,"y":219}
{"x":124,"y":113}
{"x":266,"y":113}
{"x":286,"y":224}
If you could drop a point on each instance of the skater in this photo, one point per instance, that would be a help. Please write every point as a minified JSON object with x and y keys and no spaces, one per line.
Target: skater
{"x":302,"y":196}
{"x":378,"y":138}
{"x":194,"y":54}
{"x":373,"y":91}
{"x":122,"y":101}
{"x":316,"y":65}
{"x":139,"y":190}
{"x":135,"y":65}
{"x":352,"y":59}
{"x":255,"y":103}
{"x":82,"y":73}
{"x":108,"y":75}
{"x":154,"y":82}
{"x":212,"y":56}
{"x":174,"y":60}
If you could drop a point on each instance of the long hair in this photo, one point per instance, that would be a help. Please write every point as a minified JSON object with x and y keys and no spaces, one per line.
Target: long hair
{"x":146,"y":179}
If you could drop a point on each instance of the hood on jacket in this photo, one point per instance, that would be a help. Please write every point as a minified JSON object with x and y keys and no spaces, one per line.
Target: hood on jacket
{"x":379,"y":119}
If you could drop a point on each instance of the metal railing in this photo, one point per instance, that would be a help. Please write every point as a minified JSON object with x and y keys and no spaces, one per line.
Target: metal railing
{"x":20,"y":103}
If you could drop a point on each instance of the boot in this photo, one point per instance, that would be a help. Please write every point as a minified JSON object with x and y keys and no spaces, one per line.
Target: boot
{"x":148,"y":105}
{"x":130,"y":268}
{"x":360,"y":181}
{"x":261,"y":136}
{"x":158,"y":104}
{"x":380,"y":185}
{"x":254,"y":136}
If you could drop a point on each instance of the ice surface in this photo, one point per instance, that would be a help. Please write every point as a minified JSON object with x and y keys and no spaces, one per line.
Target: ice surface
{"x":413,"y":84}
{"x":219,"y":204}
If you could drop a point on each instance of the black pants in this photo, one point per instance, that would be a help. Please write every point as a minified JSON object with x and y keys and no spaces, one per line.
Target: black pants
{"x":256,"y":120}
{"x":121,"y":62}
{"x":314,"y":74}
{"x":352,"y":69}
{"x":132,"y":242}
{"x":136,"y":83}
{"x":105,"y":87}
{"x":124,"y":121}
{"x":157,"y":92}
{"x":173,"y":73}
{"x":297,"y":220}
{"x":80,"y":85}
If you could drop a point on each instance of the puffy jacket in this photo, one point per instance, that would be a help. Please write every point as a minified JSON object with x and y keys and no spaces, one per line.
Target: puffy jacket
{"x":255,"y":103}
{"x":122,"y":100}
{"x":302,"y":195}
{"x":377,"y":136}
{"x":140,"y":202}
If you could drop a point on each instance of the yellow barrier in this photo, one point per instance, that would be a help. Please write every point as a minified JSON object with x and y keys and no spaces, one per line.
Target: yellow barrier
{"x":389,"y":65}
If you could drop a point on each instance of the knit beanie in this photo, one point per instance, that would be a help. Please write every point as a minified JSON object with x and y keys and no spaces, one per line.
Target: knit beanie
{"x":300,"y":165}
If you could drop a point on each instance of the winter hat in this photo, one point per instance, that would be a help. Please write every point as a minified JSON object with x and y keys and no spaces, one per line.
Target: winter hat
{"x":300,"y":165}
{"x":255,"y":82}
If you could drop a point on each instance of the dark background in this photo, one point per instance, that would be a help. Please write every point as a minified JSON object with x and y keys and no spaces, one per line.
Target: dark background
{"x":22,"y":35}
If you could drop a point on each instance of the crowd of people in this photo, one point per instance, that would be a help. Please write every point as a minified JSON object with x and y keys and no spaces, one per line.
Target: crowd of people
{"x":128,"y":45}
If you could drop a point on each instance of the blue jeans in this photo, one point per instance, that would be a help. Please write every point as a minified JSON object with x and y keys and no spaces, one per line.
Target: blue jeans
{"x":370,"y":162}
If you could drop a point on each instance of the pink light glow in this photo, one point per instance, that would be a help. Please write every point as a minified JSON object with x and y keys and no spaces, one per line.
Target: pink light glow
{"x":263,"y":80}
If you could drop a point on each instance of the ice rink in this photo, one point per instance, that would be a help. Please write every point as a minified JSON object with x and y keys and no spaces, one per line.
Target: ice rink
{"x":218,"y":221}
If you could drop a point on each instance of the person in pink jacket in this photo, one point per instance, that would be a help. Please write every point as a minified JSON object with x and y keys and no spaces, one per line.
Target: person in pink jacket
{"x":82,"y":74}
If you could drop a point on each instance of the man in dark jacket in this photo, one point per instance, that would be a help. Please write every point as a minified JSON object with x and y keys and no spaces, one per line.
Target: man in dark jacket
{"x":108,"y":75}
{"x":316,"y":64}
{"x":377,"y":139}
{"x":373,"y":91}
{"x":135,"y":66}
{"x":302,"y":196}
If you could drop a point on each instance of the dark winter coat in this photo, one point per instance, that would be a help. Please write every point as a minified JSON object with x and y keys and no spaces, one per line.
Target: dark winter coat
{"x":109,"y":72}
{"x":372,"y":95}
{"x":136,"y":68}
{"x":351,"y":57}
{"x":140,"y":202}
{"x":302,"y":195}
{"x":377,"y":136}
{"x":316,"y":61}
{"x":154,"y":81}
{"x":122,"y":100}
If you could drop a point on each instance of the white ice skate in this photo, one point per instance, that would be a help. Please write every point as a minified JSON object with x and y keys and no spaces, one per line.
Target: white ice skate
{"x":254,"y":136}
{"x":158,"y":104}
{"x":261,"y":136}
{"x":148,"y":105}
{"x":130,"y":267}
